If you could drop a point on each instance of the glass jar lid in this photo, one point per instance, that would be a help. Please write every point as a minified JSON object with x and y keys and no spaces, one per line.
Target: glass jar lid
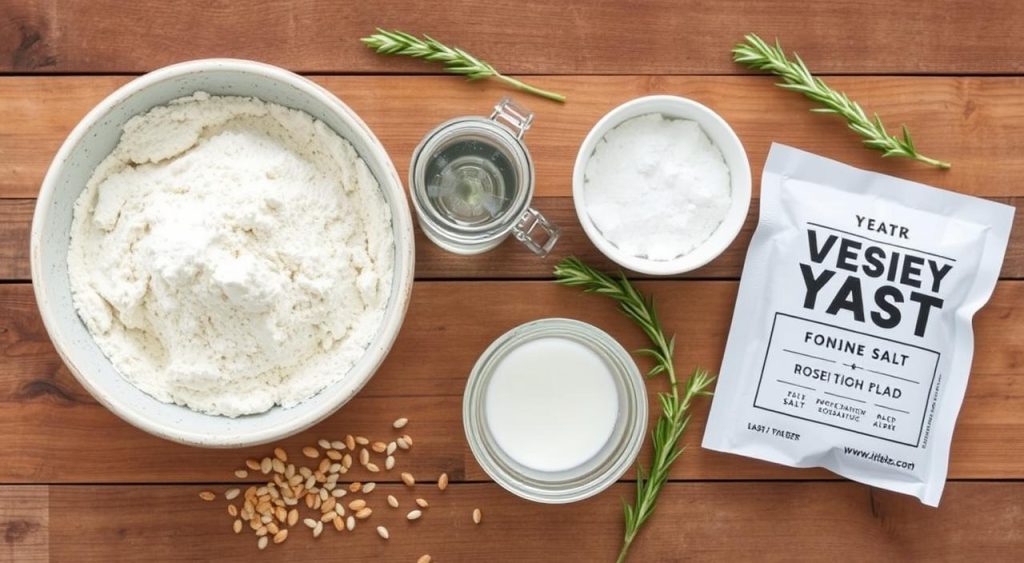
{"x":555,"y":440}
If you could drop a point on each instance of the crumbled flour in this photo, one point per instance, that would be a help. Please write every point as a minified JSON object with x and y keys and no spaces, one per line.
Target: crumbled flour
{"x":231,"y":254}
{"x":657,"y":188}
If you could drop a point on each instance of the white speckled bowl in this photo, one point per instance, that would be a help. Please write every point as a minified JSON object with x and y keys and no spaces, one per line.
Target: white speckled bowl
{"x":92,"y":140}
{"x":735,"y":158}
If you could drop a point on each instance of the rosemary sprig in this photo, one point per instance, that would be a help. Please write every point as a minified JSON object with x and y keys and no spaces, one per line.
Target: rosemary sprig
{"x":675,"y":405}
{"x":455,"y":60}
{"x":757,"y":54}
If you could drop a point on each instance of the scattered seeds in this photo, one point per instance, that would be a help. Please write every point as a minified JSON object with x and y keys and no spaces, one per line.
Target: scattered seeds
{"x":477,"y":516}
{"x":424,"y":559}
{"x":270,"y":509}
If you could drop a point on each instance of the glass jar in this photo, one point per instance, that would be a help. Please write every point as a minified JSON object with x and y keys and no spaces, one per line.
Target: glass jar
{"x":589,"y":477}
{"x":472,"y":182}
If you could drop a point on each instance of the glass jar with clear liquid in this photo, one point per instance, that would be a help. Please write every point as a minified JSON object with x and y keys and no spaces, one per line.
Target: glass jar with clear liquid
{"x":472,"y":183}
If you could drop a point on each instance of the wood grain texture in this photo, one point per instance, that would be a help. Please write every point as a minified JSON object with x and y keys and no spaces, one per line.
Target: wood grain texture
{"x":53,"y":424}
{"x":509,"y":261}
{"x":593,"y":36}
{"x":977,"y":123}
{"x":114,"y":493}
{"x":799,"y":521}
{"x":25,"y":523}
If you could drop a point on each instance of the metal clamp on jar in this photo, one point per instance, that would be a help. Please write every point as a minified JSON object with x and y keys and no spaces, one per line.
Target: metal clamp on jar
{"x":472,"y":184}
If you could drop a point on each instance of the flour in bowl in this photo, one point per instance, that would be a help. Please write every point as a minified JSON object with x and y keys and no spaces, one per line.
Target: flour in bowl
{"x":231,"y":254}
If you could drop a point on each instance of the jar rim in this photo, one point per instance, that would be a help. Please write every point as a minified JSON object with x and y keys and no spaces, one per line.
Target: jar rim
{"x":590,"y":477}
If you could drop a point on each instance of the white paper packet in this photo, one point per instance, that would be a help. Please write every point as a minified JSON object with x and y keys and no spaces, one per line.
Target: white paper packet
{"x":851,"y":340}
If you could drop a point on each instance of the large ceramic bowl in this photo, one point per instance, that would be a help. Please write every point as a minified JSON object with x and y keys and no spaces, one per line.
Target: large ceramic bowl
{"x":719,"y":132}
{"x":92,"y":140}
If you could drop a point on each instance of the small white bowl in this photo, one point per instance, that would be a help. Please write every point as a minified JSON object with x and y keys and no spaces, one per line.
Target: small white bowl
{"x":735,"y":158}
{"x":92,"y":140}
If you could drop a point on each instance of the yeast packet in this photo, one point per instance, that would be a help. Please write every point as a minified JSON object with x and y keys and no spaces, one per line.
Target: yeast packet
{"x":851,"y":341}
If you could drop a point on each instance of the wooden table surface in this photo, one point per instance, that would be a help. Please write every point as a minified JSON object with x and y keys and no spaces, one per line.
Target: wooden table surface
{"x":78,"y":484}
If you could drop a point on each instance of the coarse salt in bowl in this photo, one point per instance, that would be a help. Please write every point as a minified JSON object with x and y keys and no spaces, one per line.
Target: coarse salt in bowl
{"x":720,"y":134}
{"x":92,"y":140}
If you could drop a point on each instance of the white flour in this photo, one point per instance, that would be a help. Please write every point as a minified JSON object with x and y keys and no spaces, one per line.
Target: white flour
{"x":657,"y":188}
{"x":231,"y":254}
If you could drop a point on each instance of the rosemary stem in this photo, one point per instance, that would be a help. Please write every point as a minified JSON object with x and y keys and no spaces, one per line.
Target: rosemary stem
{"x":519,"y":84}
{"x":627,"y":541}
{"x":934,"y":162}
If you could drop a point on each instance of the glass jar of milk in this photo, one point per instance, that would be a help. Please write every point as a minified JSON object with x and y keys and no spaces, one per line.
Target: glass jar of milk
{"x":555,"y":410}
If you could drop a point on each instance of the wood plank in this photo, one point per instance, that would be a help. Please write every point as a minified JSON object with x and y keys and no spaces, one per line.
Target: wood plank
{"x":25,"y":523}
{"x":977,"y":123}
{"x":656,"y":37}
{"x":796,"y":521}
{"x":55,"y":432}
{"x":508,"y":261}
{"x":15,"y":232}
